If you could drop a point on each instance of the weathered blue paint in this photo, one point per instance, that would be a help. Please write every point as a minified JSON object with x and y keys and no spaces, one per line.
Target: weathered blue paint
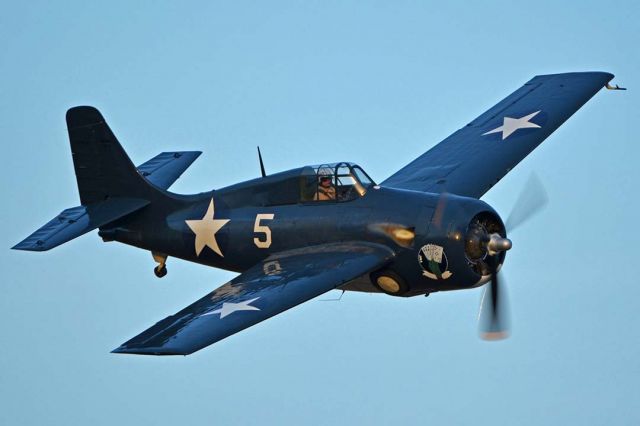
{"x":416,"y":227}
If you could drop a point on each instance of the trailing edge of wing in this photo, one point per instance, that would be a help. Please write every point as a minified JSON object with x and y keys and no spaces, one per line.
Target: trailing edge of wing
{"x":165,"y":168}
{"x":278,"y":283}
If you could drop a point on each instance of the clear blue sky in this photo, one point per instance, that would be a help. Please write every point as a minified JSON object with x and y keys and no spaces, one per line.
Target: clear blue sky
{"x":377,"y":83}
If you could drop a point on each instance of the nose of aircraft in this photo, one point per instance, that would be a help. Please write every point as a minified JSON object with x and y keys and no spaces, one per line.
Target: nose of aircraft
{"x":497,"y":244}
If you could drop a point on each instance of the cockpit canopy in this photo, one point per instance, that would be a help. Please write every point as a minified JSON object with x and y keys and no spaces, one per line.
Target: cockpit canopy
{"x":335,"y":182}
{"x":323,"y":183}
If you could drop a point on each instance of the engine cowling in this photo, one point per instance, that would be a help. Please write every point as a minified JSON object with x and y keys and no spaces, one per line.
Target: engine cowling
{"x":454,"y":251}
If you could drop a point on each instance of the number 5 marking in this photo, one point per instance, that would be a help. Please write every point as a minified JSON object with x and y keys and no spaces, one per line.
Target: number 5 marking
{"x":266,"y":243}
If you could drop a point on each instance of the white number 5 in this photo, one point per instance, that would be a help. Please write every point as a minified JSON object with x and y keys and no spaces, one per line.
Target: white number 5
{"x":266,"y":243}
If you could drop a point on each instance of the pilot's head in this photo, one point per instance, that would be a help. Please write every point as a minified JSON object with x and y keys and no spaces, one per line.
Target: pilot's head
{"x":325,"y":181}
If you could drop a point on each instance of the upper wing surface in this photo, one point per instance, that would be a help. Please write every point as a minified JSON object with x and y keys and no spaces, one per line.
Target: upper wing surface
{"x":278,"y":283}
{"x":476,"y":157}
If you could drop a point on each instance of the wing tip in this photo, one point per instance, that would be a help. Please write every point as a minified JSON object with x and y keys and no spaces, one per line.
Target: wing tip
{"x":599,"y":75}
{"x":26,"y":246}
{"x":147,"y":351}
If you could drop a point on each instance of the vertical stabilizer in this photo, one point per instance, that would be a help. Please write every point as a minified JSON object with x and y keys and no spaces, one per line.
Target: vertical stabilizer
{"x":103,"y":169}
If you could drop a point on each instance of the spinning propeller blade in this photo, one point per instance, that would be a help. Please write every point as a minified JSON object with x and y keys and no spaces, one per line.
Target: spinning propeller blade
{"x":531,"y":200}
{"x":493,"y":316}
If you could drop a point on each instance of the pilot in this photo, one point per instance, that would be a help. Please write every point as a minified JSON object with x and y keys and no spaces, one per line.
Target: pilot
{"x":326,"y":191}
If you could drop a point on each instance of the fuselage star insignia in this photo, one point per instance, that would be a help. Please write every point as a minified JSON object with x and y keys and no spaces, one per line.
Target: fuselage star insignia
{"x":206,"y":229}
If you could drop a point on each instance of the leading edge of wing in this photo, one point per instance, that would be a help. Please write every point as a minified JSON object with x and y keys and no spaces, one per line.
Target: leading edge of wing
{"x":274,"y":285}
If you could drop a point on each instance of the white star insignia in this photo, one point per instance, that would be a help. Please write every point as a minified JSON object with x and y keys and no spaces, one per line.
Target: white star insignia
{"x":510,"y":125}
{"x":205,"y":230}
{"x":229,"y":308}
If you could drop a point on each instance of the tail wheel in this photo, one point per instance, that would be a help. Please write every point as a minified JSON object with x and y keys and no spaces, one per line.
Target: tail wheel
{"x":390,"y":282}
{"x":160,"y":271}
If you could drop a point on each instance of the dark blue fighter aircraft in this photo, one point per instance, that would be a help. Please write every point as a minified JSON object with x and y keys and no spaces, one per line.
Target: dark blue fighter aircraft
{"x":297,"y":234}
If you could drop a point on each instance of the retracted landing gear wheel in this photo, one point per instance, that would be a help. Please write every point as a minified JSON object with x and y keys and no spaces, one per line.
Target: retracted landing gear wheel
{"x":389,"y":282}
{"x":160,"y":271}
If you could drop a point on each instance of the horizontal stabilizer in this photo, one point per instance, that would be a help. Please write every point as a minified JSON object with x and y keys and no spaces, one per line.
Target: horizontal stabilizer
{"x":72,"y":223}
{"x":165,"y":168}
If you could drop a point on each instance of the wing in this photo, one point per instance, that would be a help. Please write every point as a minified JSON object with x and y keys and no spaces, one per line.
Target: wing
{"x":278,"y":283}
{"x":76,"y":221}
{"x":476,"y":157}
{"x":166,"y":167}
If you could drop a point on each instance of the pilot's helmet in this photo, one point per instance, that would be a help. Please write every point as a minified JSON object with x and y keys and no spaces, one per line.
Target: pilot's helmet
{"x":325,"y":174}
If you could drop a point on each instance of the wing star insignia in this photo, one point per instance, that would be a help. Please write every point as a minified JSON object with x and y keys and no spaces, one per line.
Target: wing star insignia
{"x":510,"y":125}
{"x":206,"y":229}
{"x":229,"y":307}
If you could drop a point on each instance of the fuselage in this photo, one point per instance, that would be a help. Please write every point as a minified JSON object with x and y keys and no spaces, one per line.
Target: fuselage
{"x":415,"y":225}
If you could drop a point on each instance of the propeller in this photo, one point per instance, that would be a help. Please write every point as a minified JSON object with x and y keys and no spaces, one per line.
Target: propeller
{"x":493,"y":315}
{"x":531,"y":201}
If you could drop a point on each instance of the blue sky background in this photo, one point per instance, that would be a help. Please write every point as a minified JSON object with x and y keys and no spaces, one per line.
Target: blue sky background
{"x":377,"y":83}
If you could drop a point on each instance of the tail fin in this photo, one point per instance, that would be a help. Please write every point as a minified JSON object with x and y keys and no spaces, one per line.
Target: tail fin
{"x":110,"y":186}
{"x":103,"y":169}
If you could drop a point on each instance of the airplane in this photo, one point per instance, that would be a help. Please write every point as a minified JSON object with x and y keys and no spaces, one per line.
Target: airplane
{"x":298,"y":234}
